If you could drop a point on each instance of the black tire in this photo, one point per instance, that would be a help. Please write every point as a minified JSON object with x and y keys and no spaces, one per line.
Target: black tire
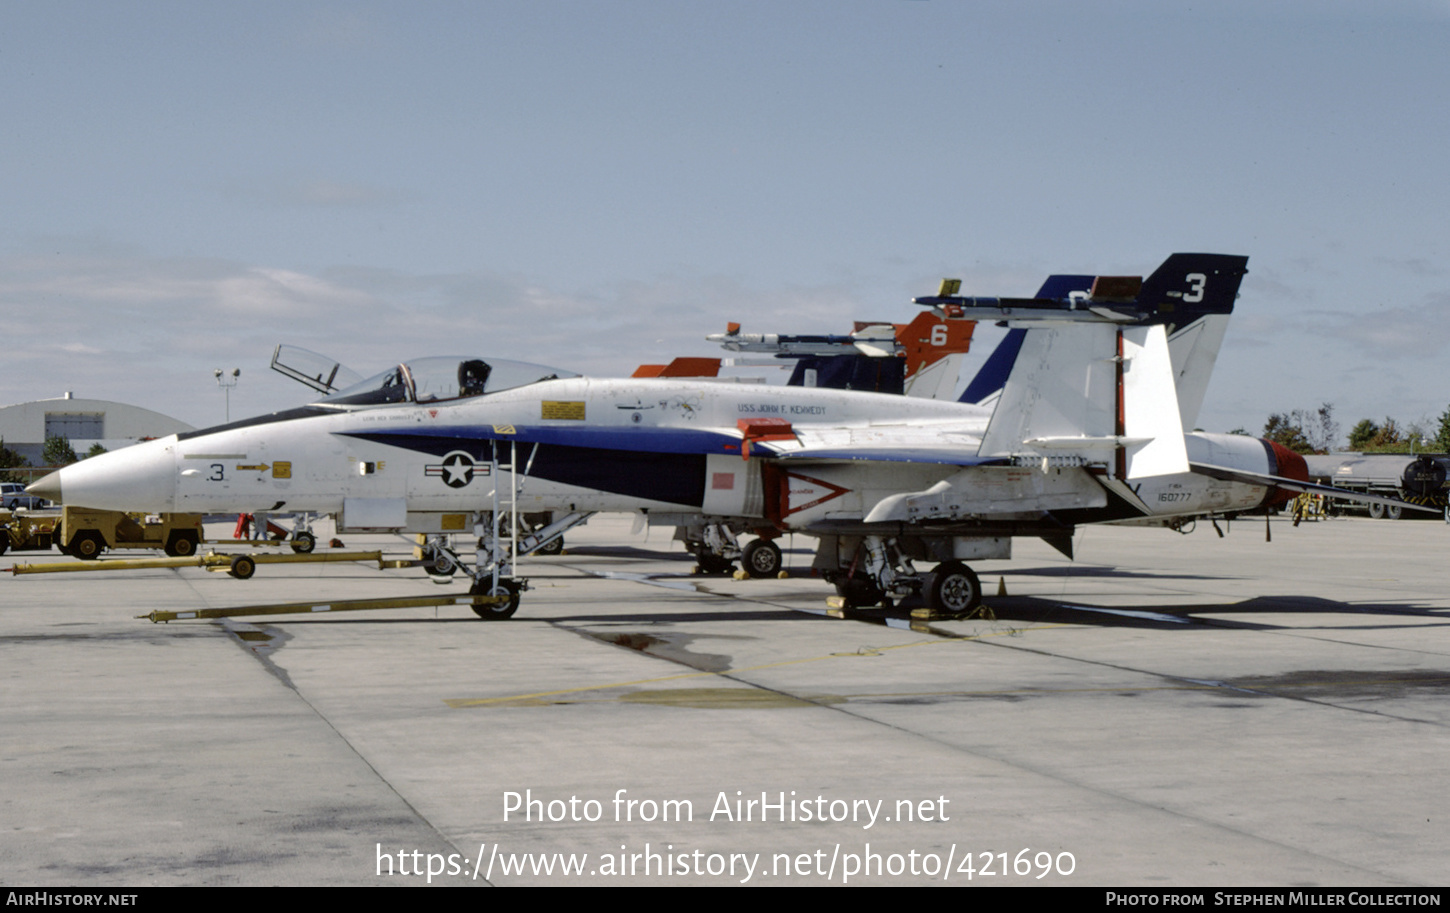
{"x":1377,"y":511}
{"x":303,"y":543}
{"x":552,"y":547}
{"x":955,"y":589}
{"x":87,"y":545}
{"x":182,"y":544}
{"x":1393,"y":511}
{"x":858,"y":591}
{"x":714,"y":564}
{"x":503,"y":610}
{"x":243,"y":567}
{"x":761,"y":559}
{"x":441,"y":566}
{"x":4,"y":540}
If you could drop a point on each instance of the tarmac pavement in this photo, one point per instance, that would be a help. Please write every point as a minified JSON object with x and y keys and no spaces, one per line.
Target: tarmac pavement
{"x":1164,"y":711}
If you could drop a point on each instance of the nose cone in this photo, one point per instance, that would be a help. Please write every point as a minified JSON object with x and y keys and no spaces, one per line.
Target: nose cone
{"x":137,"y":478}
{"x":47,"y":488}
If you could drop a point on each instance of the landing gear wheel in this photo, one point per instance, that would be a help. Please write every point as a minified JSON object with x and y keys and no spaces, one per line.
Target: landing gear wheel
{"x":440,"y":566}
{"x":303,"y":543}
{"x":552,"y":547}
{"x":761,"y":558}
{"x":243,"y":567}
{"x":499,"y":612}
{"x":714,"y":564}
{"x":87,"y":545}
{"x":858,"y":591}
{"x":955,"y":589}
{"x":181,"y":545}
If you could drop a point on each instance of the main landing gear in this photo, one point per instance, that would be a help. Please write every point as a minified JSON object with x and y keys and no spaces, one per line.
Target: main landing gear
{"x":761,"y":558}
{"x":954,"y":589}
{"x":716,"y":549}
{"x":880,"y":574}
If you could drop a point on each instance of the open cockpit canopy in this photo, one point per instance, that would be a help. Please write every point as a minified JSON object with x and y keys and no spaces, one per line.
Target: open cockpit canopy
{"x":442,"y":378}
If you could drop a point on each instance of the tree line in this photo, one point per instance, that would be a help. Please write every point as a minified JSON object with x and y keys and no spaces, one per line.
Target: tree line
{"x":1317,"y":431}
{"x":57,"y":452}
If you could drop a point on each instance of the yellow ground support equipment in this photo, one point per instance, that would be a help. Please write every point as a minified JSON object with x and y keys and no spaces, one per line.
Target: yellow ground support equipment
{"x":86,"y":533}
{"x":239,"y":566}
{"x":484,"y":606}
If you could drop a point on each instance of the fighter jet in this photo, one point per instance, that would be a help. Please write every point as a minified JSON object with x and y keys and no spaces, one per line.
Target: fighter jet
{"x":919,"y":358}
{"x":1087,"y":428}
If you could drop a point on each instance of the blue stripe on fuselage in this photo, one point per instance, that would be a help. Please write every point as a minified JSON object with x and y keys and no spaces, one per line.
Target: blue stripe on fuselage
{"x":654,"y":464}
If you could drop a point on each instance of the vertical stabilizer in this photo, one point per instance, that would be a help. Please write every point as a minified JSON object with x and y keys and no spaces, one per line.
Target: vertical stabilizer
{"x":1151,"y":420}
{"x":984,"y":387}
{"x":1091,"y":394}
{"x":1192,"y":296}
{"x":1062,"y":386}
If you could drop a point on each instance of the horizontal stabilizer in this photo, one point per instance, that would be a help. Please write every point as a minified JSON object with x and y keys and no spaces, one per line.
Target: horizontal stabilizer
{"x":1342,"y":494}
{"x":1060,"y":540}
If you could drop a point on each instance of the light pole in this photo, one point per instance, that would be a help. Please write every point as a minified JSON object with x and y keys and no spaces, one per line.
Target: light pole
{"x":227,"y":385}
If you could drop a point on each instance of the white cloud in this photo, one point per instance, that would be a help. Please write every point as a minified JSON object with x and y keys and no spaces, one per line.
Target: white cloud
{"x":1387,"y":334}
{"x":150,"y":331}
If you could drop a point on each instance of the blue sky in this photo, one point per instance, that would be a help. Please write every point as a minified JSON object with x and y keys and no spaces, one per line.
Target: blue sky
{"x":600,"y":184}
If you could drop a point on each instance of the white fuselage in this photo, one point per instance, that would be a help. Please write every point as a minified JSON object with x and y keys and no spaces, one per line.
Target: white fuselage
{"x":664,"y":445}
{"x":629,"y":435}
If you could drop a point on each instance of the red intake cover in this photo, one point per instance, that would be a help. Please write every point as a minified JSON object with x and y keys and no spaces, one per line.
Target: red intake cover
{"x":1290,"y":465}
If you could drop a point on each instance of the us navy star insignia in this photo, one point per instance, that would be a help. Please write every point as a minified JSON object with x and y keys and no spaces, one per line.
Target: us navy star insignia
{"x":456,"y":470}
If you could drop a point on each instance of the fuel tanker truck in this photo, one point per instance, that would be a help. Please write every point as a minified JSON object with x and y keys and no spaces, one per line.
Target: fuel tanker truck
{"x":1416,"y":478}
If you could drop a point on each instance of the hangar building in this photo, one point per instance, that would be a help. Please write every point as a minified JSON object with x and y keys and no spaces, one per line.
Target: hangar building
{"x":84,"y":422}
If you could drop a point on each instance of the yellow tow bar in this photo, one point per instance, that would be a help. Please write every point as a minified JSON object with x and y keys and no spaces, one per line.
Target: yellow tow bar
{"x":336,"y":605}
{"x":236,"y":565}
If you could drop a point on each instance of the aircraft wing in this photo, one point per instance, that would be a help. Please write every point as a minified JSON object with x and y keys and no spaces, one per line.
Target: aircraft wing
{"x":946,"y":456}
{"x":650,"y":440}
{"x":1255,"y":478}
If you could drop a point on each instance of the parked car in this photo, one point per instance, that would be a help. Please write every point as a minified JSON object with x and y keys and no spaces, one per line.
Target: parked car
{"x":13,"y":496}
